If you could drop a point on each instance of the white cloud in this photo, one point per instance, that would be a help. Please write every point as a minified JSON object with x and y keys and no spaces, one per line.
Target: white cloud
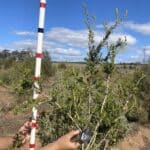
{"x":57,"y":57}
{"x":65,"y":43}
{"x":115,"y":36}
{"x":147,"y":50}
{"x":50,"y":46}
{"x":74,"y":38}
{"x":134,"y":56}
{"x":66,"y":51}
{"x":24,"y":33}
{"x":79,"y":38}
{"x":141,"y":28}
{"x":29,"y":43}
{"x":148,"y":53}
{"x":130,"y":39}
{"x":1,"y":48}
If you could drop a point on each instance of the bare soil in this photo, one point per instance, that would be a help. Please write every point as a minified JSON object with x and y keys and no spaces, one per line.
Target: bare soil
{"x":9,"y":122}
{"x":138,"y":140}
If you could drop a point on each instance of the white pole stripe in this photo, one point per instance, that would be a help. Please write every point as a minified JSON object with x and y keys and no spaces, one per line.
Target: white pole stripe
{"x":41,"y":17}
{"x":38,"y":65}
{"x":39,"y":42}
{"x":43,"y":1}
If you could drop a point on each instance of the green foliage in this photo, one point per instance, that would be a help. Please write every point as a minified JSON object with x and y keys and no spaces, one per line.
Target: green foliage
{"x":47,"y":68}
{"x":90,"y":97}
{"x":19,"y":72}
{"x":62,"y":66}
{"x":144,"y":87}
{"x":52,"y":121}
{"x":19,"y":76}
{"x":17,"y":142}
{"x":6,"y":64}
{"x":23,"y":73}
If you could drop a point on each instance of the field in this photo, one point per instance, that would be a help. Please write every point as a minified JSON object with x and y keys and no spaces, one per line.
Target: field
{"x":65,"y":98}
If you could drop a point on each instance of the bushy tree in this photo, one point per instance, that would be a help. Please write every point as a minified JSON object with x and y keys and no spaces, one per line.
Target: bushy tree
{"x":89,"y":98}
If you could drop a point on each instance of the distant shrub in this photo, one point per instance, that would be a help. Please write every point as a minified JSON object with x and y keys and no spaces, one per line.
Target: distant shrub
{"x":144,"y":88}
{"x":62,"y":66}
{"x":19,"y":74}
{"x":124,"y":66}
{"x":47,"y":69}
{"x":6,"y":64}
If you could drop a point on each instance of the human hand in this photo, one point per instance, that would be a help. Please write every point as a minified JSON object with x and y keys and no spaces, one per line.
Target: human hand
{"x":24,"y":131}
{"x":23,"y":134}
{"x":64,"y":142}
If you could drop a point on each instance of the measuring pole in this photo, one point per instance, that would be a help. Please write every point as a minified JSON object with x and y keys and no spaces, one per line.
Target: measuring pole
{"x":36,"y":90}
{"x":39,"y":49}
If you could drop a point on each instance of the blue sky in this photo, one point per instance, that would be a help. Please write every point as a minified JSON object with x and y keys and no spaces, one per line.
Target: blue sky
{"x":65,"y":32}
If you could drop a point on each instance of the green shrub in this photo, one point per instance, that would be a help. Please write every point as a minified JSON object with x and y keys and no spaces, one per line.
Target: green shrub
{"x":62,"y":66}
{"x":144,"y":88}
{"x":47,"y":69}
{"x":89,"y":98}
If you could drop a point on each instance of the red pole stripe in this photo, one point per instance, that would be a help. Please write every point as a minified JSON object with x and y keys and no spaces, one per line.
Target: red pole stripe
{"x":36,"y":78}
{"x":38,"y":55}
{"x":31,"y":145}
{"x":34,"y":124}
{"x":43,"y":5}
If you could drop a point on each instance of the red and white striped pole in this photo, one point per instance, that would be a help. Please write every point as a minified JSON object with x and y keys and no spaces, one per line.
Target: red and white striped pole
{"x":39,"y":49}
{"x":36,"y":90}
{"x":33,"y":129}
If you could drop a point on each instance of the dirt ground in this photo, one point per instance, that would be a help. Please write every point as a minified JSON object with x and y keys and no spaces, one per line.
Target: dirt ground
{"x":10,"y":123}
{"x":138,"y":140}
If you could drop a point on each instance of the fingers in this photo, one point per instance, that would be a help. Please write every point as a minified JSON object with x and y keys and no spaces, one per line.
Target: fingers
{"x":73,"y":133}
{"x":76,"y":144}
{"x":26,"y":128}
{"x":24,"y":131}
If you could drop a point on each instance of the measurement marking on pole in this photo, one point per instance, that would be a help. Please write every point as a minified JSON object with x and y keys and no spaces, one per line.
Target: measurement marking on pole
{"x":36,"y":78}
{"x":31,"y":145}
{"x":38,"y":55}
{"x":34,"y":124}
{"x":42,"y":5}
{"x":40,"y":30}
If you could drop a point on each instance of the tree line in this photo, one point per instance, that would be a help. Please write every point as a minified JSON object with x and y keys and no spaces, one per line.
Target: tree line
{"x":16,"y":54}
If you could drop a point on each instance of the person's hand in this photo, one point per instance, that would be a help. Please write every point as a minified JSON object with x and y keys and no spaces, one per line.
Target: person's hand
{"x":25,"y":131}
{"x":23,"y":135}
{"x":64,"y":142}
